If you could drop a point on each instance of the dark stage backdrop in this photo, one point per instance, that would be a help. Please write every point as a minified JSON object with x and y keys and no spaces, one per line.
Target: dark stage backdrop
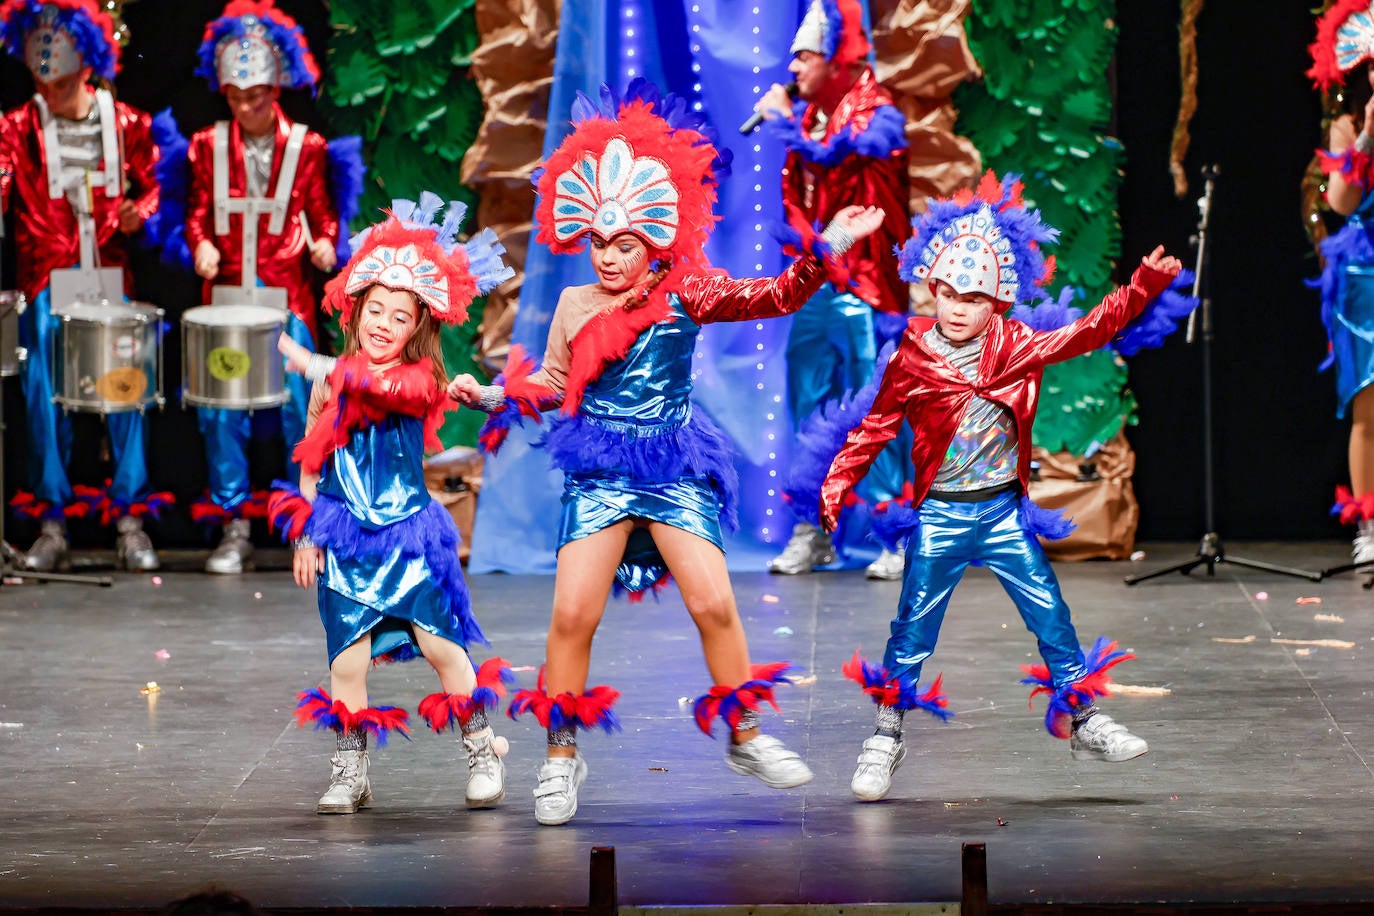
{"x":1279,"y":449}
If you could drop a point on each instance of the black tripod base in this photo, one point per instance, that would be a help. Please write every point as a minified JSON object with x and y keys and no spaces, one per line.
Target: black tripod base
{"x":11,"y":568}
{"x":1366,"y":569}
{"x":1211,"y":553}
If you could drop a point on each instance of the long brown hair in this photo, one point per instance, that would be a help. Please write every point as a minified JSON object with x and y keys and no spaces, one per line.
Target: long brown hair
{"x":423,"y":342}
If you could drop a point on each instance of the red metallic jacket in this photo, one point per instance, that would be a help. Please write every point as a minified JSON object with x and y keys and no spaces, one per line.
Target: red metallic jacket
{"x":45,"y":231}
{"x":821,"y":189}
{"x":926,"y":390}
{"x":282,"y":259}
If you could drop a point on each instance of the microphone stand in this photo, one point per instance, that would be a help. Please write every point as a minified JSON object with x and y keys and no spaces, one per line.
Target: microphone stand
{"x":11,"y":560}
{"x":1210,"y":550}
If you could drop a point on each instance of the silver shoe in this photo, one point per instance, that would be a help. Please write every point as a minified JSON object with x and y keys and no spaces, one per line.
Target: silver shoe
{"x":348,"y":789}
{"x":555,"y":798}
{"x":1100,"y":737}
{"x":49,"y":552}
{"x":888,"y":567}
{"x":133,"y":549}
{"x":808,"y":548}
{"x":1362,"y":549}
{"x":879,"y":759}
{"x":235,"y":551}
{"x":765,"y":758}
{"x":486,"y":773}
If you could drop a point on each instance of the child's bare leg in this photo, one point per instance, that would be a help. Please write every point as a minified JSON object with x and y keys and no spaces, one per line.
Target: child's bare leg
{"x":1362,"y":441}
{"x":582,"y":586}
{"x":449,"y":660}
{"x":348,"y":674}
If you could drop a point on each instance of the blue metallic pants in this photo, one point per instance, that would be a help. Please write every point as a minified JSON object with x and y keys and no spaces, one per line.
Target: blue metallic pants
{"x":227,"y":431}
{"x":50,"y":429}
{"x":831,"y":349}
{"x":950,"y":537}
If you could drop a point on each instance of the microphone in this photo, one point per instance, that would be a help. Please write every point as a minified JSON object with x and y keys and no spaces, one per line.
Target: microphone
{"x":755,"y":119}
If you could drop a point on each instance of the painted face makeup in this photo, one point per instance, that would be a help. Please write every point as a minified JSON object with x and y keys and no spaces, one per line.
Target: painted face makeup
{"x":620,"y":264}
{"x":388,"y":320}
{"x":962,"y":316}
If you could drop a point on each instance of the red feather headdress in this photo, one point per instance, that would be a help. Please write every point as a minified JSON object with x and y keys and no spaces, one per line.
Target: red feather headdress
{"x":1345,"y":39}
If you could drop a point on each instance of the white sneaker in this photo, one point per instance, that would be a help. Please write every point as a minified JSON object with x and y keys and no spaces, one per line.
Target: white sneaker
{"x":1101,"y":737}
{"x":765,"y":757}
{"x":1362,"y":549}
{"x":877,"y":762}
{"x":486,"y":772}
{"x":808,"y":548}
{"x":348,"y":789}
{"x":555,"y":798}
{"x":888,"y":567}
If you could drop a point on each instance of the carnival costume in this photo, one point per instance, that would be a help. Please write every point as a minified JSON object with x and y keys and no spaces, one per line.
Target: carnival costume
{"x":391,"y":551}
{"x":855,"y":155}
{"x":627,"y":436}
{"x":61,"y":175}
{"x":260,"y":201}
{"x":1345,"y":41}
{"x":971,"y":407}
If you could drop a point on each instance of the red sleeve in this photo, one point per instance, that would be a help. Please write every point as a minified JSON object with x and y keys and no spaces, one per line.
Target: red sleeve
{"x":140,"y":160}
{"x":200,"y":201}
{"x":865,"y":441}
{"x":709,"y":297}
{"x":8,"y":161}
{"x":1093,"y":330}
{"x":314,"y":178}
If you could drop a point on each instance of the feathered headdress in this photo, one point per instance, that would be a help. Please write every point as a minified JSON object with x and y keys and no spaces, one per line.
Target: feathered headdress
{"x":1345,"y":39}
{"x":412,"y":251}
{"x":983,"y":241}
{"x":644,"y":164}
{"x":835,"y":30}
{"x":57,"y":38}
{"x":253,"y":43}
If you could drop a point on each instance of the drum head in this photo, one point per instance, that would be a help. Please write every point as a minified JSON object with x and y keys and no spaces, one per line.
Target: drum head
{"x":235,"y":316}
{"x":108,"y":312}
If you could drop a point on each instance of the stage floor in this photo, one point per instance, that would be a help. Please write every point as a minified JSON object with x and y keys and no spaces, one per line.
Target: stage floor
{"x":1258,"y":785}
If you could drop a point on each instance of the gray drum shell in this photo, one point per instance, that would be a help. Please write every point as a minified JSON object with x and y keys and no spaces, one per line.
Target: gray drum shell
{"x":13,"y":304}
{"x":249,"y":331}
{"x":92,"y":341}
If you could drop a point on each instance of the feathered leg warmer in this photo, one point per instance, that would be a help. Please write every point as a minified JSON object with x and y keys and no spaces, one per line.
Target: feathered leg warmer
{"x":567,"y":711}
{"x":315,"y":707}
{"x":469,"y":713}
{"x":739,"y":706}
{"x":896,"y":692}
{"x":1075,"y":698}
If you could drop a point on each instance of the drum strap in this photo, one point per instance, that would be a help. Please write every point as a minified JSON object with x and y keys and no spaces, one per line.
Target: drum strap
{"x":253,"y":208}
{"x":109,"y":141}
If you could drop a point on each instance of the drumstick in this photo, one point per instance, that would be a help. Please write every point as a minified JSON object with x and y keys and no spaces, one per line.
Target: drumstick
{"x":305,"y":227}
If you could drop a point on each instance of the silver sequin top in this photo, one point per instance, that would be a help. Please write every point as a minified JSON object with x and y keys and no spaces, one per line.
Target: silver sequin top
{"x":983,"y":452}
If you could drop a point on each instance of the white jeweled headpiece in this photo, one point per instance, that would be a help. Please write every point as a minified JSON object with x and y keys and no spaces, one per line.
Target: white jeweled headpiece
{"x":617,"y":192}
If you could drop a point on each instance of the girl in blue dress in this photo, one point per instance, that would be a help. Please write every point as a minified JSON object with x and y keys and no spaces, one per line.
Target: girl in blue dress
{"x":648,"y":479}
{"x":382,"y":553}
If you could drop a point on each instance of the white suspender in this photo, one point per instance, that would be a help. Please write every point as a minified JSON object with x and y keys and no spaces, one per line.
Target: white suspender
{"x":110,"y":175}
{"x":252,"y":208}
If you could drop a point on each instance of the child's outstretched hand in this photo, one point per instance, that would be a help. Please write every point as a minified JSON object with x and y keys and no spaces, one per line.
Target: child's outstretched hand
{"x":1164,"y":263}
{"x":306,"y":564}
{"x":859,"y":221}
{"x":465,"y":390}
{"x":297,"y":356}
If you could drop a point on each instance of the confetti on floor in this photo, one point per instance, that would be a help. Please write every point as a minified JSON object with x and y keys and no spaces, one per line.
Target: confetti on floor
{"x":1309,"y":599}
{"x":1241,"y":640}
{"x":1319,"y":643}
{"x":1136,"y":690}
{"x":1329,"y":618}
{"x":805,"y":681}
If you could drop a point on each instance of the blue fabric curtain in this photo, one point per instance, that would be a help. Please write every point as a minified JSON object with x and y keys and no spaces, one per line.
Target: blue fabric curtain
{"x":720,"y":55}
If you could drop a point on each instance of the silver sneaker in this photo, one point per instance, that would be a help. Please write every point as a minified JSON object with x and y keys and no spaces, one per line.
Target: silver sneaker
{"x":486,"y":772}
{"x":555,"y":798}
{"x":765,"y":757}
{"x":808,"y":548}
{"x":49,"y":552}
{"x":133,"y":549}
{"x":1362,"y":549}
{"x":1100,"y":737}
{"x":235,"y":551}
{"x":879,"y":759}
{"x":888,"y":567}
{"x":348,"y":789}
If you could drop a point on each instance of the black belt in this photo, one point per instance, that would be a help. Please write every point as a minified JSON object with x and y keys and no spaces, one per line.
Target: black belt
{"x":973,"y":496}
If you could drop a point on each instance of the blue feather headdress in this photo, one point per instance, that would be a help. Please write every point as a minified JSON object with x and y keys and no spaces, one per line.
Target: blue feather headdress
{"x":244,"y":21}
{"x":91,"y":29}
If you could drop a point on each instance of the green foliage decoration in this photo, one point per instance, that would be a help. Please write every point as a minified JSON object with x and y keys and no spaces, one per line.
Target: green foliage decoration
{"x":397,"y":76}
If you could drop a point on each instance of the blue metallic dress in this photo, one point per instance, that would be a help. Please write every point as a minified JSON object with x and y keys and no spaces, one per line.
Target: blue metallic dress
{"x":391,"y":552}
{"x":1347,"y":285}
{"x":637,"y":449}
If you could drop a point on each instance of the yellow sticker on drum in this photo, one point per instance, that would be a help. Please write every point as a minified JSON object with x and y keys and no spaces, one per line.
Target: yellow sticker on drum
{"x":124,"y":385}
{"x":227,"y":364}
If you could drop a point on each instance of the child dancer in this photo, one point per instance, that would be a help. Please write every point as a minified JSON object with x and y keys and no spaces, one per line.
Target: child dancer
{"x":647,"y":479}
{"x":390,"y":585}
{"x":967,"y":383}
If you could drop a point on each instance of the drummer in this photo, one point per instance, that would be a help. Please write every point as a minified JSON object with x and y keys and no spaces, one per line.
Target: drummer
{"x":270,"y":179}
{"x":77,"y":168}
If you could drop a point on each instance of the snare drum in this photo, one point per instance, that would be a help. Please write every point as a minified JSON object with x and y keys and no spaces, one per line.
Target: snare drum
{"x":107,"y":357}
{"x":229,"y":357}
{"x":12,"y":305}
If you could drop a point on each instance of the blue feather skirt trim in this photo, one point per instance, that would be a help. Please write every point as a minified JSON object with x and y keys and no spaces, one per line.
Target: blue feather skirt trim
{"x":385,"y":581}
